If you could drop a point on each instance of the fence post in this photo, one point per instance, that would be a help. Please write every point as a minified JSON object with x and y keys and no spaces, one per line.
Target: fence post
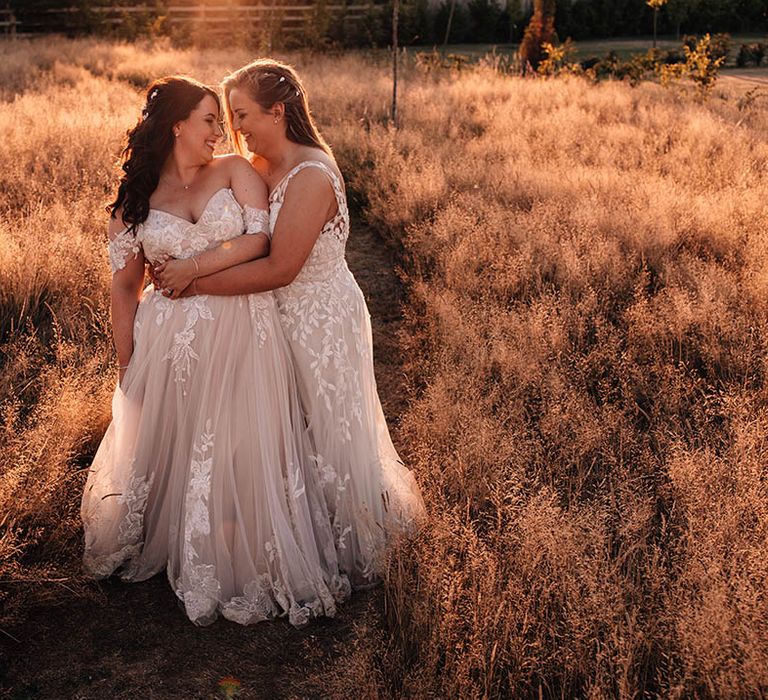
{"x":9,"y":25}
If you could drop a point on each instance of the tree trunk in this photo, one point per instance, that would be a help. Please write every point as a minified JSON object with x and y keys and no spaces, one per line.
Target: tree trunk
{"x":448,"y":28}
{"x":395,"y":14}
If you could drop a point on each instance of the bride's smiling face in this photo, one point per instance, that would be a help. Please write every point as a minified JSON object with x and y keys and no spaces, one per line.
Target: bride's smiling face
{"x":199,"y":133}
{"x":256,"y":125}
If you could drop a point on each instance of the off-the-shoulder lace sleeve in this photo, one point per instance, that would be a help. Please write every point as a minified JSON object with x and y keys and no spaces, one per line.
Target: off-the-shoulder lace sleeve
{"x":256,"y":220}
{"x":120,"y":249}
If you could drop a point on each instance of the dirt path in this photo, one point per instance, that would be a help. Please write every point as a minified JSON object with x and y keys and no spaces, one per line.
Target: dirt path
{"x":138,"y":643}
{"x":749,"y":77}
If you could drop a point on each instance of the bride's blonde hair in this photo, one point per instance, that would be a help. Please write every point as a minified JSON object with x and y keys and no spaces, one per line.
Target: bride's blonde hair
{"x":267,"y":82}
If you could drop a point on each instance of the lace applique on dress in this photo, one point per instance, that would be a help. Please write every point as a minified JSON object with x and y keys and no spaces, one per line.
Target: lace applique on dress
{"x":135,"y":500}
{"x":256,"y":220}
{"x":367,"y":489}
{"x":260,"y":308}
{"x":120,"y":249}
{"x":207,"y":431}
{"x":182,"y":353}
{"x":201,"y":592}
{"x":254,"y":605}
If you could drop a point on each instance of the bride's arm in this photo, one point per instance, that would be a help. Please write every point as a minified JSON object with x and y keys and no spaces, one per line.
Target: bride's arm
{"x":127,"y":262}
{"x":309,"y":203}
{"x":251,"y":193}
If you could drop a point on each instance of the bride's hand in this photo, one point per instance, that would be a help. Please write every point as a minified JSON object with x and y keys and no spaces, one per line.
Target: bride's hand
{"x":175,"y":275}
{"x":188,"y":291}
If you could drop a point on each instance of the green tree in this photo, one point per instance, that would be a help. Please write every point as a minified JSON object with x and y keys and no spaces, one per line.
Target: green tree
{"x":680,"y":11}
{"x":515,"y":14}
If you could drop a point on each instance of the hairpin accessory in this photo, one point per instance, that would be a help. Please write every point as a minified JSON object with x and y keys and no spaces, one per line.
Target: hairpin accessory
{"x":282,"y":79}
{"x":152,"y":95}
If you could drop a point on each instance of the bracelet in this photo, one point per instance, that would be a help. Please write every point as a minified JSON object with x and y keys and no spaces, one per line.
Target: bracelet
{"x":197,"y":267}
{"x":194,"y":286}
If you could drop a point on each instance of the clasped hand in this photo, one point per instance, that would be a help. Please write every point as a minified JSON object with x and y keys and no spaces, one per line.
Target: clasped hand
{"x":173,"y":277}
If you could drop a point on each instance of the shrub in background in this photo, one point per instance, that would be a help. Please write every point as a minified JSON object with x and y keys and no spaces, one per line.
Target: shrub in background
{"x":717,"y":46}
{"x":751,"y":54}
{"x":702,"y":65}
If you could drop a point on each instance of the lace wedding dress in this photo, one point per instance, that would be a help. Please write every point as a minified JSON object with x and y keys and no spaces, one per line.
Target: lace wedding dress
{"x":204,"y":468}
{"x":369,"y":493}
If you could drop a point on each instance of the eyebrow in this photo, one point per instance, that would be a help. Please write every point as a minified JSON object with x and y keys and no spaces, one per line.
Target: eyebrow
{"x":211,"y":114}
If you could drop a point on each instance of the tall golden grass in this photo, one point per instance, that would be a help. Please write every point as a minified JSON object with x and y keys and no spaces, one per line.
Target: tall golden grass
{"x":587,"y":275}
{"x":587,"y":270}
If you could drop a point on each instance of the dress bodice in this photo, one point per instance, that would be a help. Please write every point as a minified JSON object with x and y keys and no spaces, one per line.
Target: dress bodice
{"x":164,"y":235}
{"x":327,"y":255}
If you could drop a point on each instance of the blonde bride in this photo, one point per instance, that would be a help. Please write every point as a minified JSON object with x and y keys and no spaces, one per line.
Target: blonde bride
{"x":369,"y":493}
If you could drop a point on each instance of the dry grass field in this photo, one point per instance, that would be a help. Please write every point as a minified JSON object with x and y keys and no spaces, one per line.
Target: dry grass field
{"x":586,"y":350}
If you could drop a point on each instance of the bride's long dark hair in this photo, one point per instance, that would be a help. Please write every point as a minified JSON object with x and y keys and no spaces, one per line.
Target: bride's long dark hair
{"x":150,"y":142}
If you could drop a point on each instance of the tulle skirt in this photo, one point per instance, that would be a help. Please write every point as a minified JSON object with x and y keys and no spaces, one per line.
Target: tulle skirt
{"x":371,"y":496}
{"x":205,"y":468}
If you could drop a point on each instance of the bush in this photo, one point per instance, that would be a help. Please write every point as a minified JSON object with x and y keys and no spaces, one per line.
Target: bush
{"x":701,"y":66}
{"x":750,"y":53}
{"x":700,"y":63}
{"x":555,"y":58}
{"x":719,"y":45}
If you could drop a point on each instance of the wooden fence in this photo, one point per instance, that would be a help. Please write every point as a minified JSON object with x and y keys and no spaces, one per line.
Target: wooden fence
{"x":8,"y":23}
{"x":289,"y":18}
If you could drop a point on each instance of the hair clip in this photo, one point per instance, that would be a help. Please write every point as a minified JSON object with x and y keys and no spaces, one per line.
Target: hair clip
{"x":282,"y":78}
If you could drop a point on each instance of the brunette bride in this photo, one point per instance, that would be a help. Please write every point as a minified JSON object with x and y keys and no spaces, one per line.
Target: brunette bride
{"x":203,"y":471}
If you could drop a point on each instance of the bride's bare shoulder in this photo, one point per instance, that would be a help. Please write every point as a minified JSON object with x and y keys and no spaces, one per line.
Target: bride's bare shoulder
{"x":238,"y":169}
{"x":318,"y":154}
{"x":116,"y":225}
{"x":230,"y":162}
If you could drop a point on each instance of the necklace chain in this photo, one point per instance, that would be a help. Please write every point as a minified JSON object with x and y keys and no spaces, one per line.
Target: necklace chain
{"x":186,"y":187}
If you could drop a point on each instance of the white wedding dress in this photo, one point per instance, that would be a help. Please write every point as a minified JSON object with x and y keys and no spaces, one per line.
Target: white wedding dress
{"x":204,"y":468}
{"x":370,"y":494}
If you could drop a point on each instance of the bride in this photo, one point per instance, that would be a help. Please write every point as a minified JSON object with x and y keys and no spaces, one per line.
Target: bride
{"x":369,"y":493}
{"x":203,"y":470}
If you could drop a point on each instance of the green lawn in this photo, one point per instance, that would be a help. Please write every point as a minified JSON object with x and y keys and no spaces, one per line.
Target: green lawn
{"x":597,"y":47}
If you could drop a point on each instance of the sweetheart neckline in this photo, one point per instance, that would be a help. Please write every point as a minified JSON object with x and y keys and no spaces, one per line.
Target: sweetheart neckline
{"x":202,"y":213}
